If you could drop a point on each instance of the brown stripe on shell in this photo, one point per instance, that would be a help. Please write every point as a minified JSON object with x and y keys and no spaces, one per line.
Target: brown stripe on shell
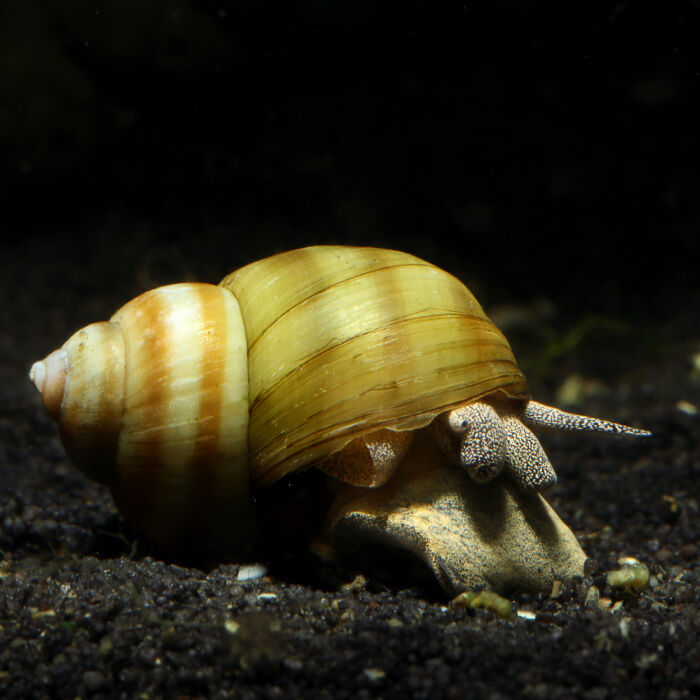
{"x":268,"y":289}
{"x":149,"y":398}
{"x":309,"y":299}
{"x":314,"y":269}
{"x":138,"y":493}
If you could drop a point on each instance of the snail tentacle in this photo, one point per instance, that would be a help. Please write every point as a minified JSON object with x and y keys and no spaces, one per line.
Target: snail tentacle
{"x":482,"y":450}
{"x":491,"y":439}
{"x":526,"y":460}
{"x":538,"y":415}
{"x":488,"y":435}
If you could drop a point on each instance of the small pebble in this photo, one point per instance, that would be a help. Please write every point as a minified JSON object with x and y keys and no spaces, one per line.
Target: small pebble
{"x":630,"y":577}
{"x":251,"y":572}
{"x":592,"y":598}
{"x":93,"y":680}
{"x":375,"y":674}
{"x":526,"y":615}
{"x":357,"y":584}
{"x":486,"y":600}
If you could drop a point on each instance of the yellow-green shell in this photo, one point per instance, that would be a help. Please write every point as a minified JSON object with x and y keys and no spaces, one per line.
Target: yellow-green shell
{"x":343,"y":341}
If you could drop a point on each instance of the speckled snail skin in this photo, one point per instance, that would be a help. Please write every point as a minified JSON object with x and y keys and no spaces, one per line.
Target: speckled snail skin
{"x":194,"y":395}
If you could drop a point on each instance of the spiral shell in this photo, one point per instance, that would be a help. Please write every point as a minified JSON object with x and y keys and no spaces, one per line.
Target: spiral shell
{"x":191,"y":392}
{"x":343,"y":341}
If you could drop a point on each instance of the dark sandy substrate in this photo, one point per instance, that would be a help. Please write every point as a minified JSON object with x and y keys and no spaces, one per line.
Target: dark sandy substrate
{"x":86,"y":612}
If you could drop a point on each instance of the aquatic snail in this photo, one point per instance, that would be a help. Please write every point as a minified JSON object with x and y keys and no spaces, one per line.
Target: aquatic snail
{"x":193,"y":396}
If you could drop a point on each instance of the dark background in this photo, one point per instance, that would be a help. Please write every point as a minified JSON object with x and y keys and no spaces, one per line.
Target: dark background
{"x":531,"y":150}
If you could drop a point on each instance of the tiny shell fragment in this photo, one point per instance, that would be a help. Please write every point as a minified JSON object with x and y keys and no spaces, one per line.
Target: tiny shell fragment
{"x":630,"y":577}
{"x":486,"y":600}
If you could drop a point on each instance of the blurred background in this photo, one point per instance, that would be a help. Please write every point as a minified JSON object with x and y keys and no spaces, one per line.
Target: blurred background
{"x":548,"y":156}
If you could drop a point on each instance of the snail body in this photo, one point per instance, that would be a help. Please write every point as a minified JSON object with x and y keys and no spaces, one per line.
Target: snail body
{"x":192,"y":396}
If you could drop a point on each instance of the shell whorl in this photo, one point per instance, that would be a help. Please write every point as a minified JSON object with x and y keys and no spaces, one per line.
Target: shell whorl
{"x":155,"y":405}
{"x":82,"y":387}
{"x":344,"y":341}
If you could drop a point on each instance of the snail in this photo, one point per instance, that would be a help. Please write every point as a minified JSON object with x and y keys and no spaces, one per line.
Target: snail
{"x":194,"y":397}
